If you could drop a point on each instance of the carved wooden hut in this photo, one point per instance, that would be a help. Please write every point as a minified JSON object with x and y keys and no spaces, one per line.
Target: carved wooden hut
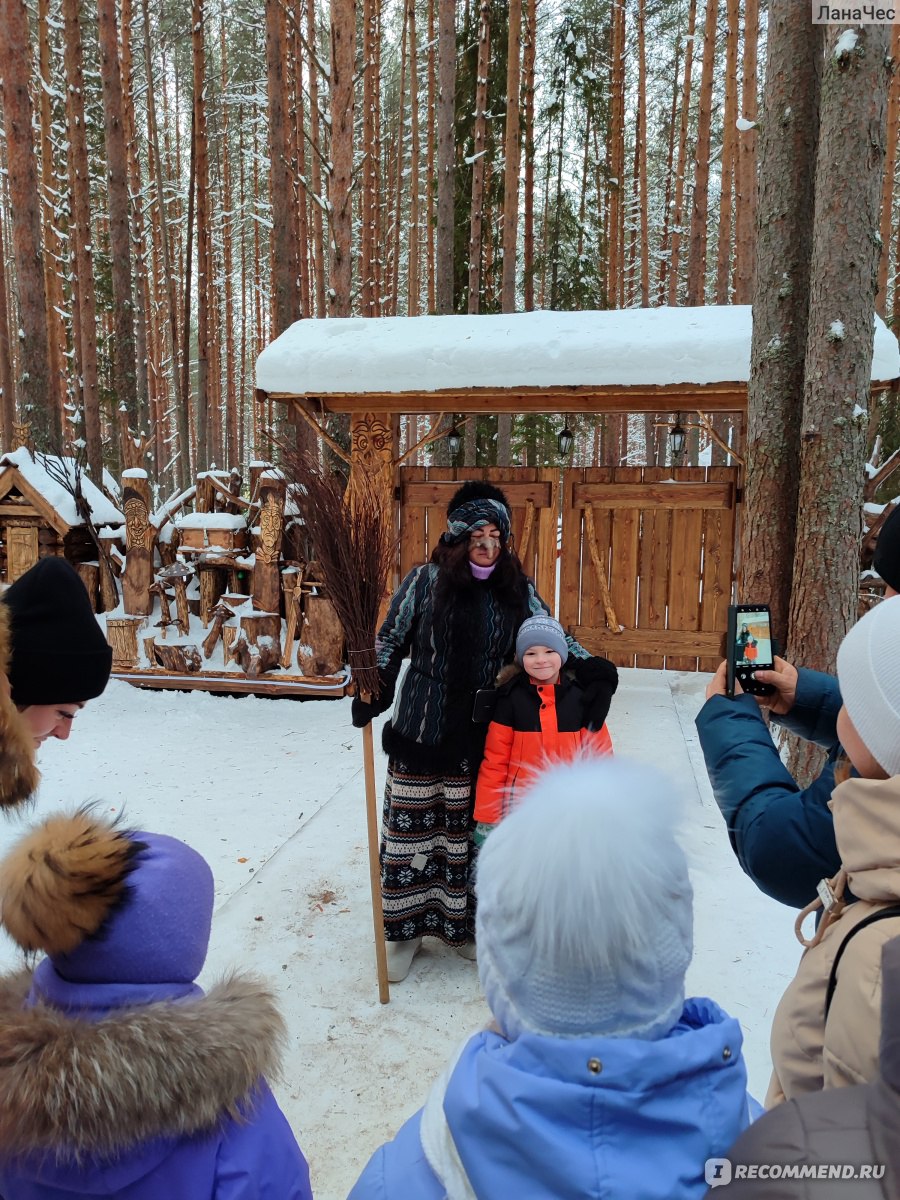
{"x":38,"y":517}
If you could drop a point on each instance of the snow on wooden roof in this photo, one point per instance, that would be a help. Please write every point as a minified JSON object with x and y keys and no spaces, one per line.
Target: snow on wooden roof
{"x":627,"y":348}
{"x":32,"y":472}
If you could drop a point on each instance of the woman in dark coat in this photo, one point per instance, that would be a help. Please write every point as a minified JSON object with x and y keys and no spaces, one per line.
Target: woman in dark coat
{"x":456,"y":617}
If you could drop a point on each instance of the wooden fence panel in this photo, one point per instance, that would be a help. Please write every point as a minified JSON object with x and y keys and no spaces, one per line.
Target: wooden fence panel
{"x":684,"y":575}
{"x":545,"y":540}
{"x":625,"y":530}
{"x":656,"y":534}
{"x":412,"y":527}
{"x":718,"y":567}
{"x":570,"y":565}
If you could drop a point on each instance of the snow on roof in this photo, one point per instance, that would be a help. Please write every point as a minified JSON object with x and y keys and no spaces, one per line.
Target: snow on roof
{"x":210,"y":521}
{"x":33,"y":472}
{"x":635,"y":347}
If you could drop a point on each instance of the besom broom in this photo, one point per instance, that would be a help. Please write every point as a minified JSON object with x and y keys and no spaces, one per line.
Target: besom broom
{"x":352,"y":536}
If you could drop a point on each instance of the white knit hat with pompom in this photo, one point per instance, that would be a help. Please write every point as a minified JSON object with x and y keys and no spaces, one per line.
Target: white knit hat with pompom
{"x":585,"y":922}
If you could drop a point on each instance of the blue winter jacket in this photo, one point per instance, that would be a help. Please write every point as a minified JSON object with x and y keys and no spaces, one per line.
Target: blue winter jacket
{"x":782,"y":834}
{"x":544,"y":1118}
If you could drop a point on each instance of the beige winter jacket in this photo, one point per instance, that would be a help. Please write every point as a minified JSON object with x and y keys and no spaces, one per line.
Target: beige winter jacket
{"x":807,"y":1053}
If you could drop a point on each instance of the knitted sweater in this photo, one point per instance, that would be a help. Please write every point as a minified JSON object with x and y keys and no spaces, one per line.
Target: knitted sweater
{"x":456,"y":644}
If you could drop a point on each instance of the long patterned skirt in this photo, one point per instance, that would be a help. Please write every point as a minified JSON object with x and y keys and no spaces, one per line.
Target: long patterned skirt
{"x":428,"y":855}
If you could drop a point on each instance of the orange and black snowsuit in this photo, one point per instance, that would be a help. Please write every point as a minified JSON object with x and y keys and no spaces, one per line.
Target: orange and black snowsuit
{"x":536,"y":723}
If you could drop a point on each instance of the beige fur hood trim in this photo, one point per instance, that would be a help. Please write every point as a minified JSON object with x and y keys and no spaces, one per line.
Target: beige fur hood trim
{"x":165,"y":1069}
{"x":867,"y":831}
{"x":18,"y":774}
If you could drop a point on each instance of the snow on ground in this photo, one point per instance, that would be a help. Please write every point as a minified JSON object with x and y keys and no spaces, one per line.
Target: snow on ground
{"x":271,"y":792}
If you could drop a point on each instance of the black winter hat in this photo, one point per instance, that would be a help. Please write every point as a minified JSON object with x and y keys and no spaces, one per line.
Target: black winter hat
{"x":476,"y":489}
{"x":59,"y":653}
{"x":887,"y":551}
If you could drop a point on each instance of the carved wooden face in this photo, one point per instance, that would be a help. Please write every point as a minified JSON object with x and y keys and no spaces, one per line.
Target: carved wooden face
{"x":270,"y":525}
{"x":136,"y":522}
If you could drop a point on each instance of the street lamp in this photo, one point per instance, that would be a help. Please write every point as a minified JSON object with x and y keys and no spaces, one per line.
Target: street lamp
{"x":454,"y":440}
{"x":565,"y":439}
{"x":677,"y":434}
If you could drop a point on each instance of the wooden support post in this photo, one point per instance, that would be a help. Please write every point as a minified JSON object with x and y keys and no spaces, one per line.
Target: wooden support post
{"x":321,"y":649}
{"x":212,"y":585}
{"x":292,"y":594}
{"x":138,"y":574}
{"x":221,"y":614}
{"x":121,"y":632}
{"x":384,"y":989}
{"x":266,"y":577}
{"x":182,"y":608}
{"x":150,"y":650}
{"x":229,"y":637}
{"x":526,"y":529}
{"x":89,"y":573}
{"x":612,"y":621}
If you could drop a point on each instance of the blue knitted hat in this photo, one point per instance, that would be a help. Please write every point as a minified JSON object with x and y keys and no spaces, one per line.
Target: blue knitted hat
{"x":541,"y":631}
{"x":475,"y":514}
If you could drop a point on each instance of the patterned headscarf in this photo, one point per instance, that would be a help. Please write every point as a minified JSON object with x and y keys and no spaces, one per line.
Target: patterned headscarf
{"x":475,"y":514}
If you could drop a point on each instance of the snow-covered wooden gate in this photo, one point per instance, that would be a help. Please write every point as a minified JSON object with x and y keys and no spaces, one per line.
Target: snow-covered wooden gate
{"x":533,"y":494}
{"x":662,"y":540}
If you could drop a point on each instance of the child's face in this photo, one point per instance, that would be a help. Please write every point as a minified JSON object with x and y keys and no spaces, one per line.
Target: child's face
{"x":542,"y":663}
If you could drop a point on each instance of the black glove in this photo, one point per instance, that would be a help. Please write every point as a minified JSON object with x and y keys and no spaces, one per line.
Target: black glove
{"x":599,"y":679}
{"x":363,"y":711}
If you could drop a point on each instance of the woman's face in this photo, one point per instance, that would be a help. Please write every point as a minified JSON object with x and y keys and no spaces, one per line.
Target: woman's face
{"x":484,"y":545}
{"x":50,"y":720}
{"x":857,"y":752}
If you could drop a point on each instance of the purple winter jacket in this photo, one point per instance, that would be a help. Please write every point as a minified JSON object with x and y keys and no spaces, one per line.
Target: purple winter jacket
{"x":120,"y":1078}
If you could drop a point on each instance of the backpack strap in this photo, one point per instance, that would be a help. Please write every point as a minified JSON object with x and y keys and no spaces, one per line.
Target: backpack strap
{"x":892,"y":910}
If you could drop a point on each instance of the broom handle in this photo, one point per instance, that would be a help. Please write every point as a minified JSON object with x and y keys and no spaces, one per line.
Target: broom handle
{"x":384,"y":992}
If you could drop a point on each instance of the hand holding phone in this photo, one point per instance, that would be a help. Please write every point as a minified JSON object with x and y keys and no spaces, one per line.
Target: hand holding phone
{"x":749,"y":649}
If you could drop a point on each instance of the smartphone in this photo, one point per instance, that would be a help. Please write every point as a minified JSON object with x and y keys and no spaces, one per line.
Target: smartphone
{"x":749,"y":648}
{"x":485,"y":703}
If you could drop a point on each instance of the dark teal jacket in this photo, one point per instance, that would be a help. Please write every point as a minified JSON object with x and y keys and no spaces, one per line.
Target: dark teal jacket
{"x":782,"y":834}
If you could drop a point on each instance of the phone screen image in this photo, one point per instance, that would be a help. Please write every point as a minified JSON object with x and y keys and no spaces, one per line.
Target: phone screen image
{"x":753,"y":642}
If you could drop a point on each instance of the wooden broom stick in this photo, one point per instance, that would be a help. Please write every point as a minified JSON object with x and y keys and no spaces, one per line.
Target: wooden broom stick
{"x":372,"y":822}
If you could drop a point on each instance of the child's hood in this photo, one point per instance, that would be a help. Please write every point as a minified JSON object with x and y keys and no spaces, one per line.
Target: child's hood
{"x":101,"y":1097}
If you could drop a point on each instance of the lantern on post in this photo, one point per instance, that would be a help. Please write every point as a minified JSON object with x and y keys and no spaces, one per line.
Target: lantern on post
{"x":677,"y":435}
{"x":454,"y":440}
{"x":565,"y":439}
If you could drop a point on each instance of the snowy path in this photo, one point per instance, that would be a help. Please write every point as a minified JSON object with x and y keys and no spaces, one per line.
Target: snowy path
{"x":271,"y":793}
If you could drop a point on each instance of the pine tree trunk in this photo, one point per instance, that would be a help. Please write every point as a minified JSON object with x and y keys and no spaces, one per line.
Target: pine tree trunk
{"x":641,"y":148}
{"x":670,"y":181}
{"x":81,"y":234}
{"x":681,"y":166}
{"x":788,"y":142}
{"x":298,"y":151}
{"x":723,"y":261}
{"x":53,"y":250}
{"x":285,"y":298}
{"x":843,"y":277}
{"x":7,"y":393}
{"x":888,"y":186}
{"x":511,"y":158}
{"x":142,"y":316}
{"x":315,"y":161}
{"x":745,"y":215}
{"x":369,"y":291}
{"x":616,"y":158}
{"x":343,"y":54}
{"x":124,"y":348}
{"x":413,"y":285}
{"x":446,"y":156}
{"x":431,"y":140}
{"x":696,"y":281}
{"x":34,"y":383}
{"x":181,"y":397}
{"x":232,"y":449}
{"x":529,"y":54}
{"x":205,"y":449}
{"x":476,"y":218}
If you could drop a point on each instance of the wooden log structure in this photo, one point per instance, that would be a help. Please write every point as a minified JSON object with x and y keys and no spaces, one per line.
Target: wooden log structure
{"x":221,"y":614}
{"x":212,"y":585}
{"x":321,"y":649}
{"x":121,"y":633}
{"x":179,"y":658}
{"x":139,"y":536}
{"x":89,"y":573}
{"x":262,"y":629}
{"x":266,"y":576}
{"x":292,"y":582}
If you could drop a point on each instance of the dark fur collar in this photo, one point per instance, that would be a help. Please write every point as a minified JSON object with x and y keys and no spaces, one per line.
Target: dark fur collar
{"x":95,"y":1088}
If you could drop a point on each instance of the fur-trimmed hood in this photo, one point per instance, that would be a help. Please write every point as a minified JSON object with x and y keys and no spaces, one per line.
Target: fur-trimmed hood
{"x":78,"y":1090}
{"x":18,"y":773}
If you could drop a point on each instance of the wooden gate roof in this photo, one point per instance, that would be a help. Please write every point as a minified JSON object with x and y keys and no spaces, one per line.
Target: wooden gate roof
{"x":625,"y":360}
